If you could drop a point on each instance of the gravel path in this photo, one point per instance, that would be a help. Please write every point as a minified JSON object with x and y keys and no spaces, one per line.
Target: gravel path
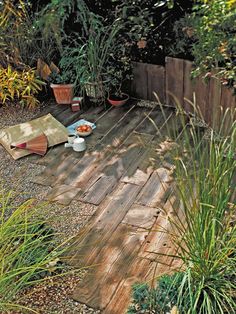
{"x":53,"y":297}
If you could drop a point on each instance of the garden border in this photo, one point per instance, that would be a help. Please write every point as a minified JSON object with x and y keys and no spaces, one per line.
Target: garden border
{"x":173,"y":83}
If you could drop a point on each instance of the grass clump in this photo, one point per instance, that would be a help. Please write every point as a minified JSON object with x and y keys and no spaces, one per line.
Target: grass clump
{"x":203,"y":226}
{"x":28,"y":253}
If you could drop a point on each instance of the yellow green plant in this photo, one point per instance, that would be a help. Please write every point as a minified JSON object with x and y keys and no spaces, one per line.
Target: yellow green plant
{"x":22,"y":86}
{"x":29,"y":250}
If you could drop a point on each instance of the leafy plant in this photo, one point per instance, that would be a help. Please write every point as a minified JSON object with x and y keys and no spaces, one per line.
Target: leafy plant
{"x":67,"y":75}
{"x":22,"y":40}
{"x":28,"y":252}
{"x":150,"y":21}
{"x":88,"y":55}
{"x":209,"y":31}
{"x":185,"y":38}
{"x":100,"y":49}
{"x":51,"y":20}
{"x":98,"y":45}
{"x":13,"y":17}
{"x":21,"y":86}
{"x":156,"y":300}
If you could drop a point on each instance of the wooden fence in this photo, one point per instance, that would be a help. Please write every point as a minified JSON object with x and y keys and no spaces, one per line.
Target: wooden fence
{"x":173,"y":84}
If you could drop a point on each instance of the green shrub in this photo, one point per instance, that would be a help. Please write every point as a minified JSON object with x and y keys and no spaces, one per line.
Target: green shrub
{"x":28,"y":252}
{"x":209,"y":31}
{"x":156,"y":300}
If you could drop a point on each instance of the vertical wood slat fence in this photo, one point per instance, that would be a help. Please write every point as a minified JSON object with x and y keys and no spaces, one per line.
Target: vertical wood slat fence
{"x":173,"y":84}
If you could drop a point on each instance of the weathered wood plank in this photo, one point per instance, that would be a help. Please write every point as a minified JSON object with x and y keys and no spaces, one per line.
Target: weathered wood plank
{"x":142,"y":270}
{"x":56,"y":109}
{"x":201,"y":90}
{"x":154,"y":120}
{"x":94,"y":139}
{"x":212,"y":112}
{"x":51,"y":154}
{"x":228,"y":100}
{"x":114,"y":261}
{"x":115,"y":165}
{"x":111,"y":128}
{"x":156,"y":83}
{"x":125,"y":126}
{"x":62,"y":194}
{"x":139,"y":171}
{"x":87,"y":167}
{"x":102,"y":225}
{"x":60,"y":116}
{"x":111,"y":118}
{"x":124,"y":157}
{"x":73,"y":164}
{"x":67,"y":117}
{"x":158,"y":241}
{"x":42,"y":179}
{"x":188,"y":86}
{"x":154,"y":190}
{"x":141,"y":216}
{"x":173,"y":127}
{"x":159,"y":244}
{"x":72,"y":173}
{"x":64,"y":165}
{"x":174,"y":81}
{"x":139,"y":82}
{"x":228,"y":111}
{"x":153,"y":157}
{"x":47,"y":176}
{"x":81,"y":170}
{"x":93,"y":114}
{"x":99,"y":190}
{"x":114,"y":169}
{"x":72,"y":117}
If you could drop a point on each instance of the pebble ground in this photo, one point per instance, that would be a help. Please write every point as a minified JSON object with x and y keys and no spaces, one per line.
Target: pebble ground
{"x":53,"y":296}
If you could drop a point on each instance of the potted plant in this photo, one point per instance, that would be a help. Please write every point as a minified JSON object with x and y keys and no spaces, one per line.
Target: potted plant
{"x":118,"y":100}
{"x":62,"y":89}
{"x":119,"y":72}
{"x":64,"y":79}
{"x":97,"y":56}
{"x":94,"y":49}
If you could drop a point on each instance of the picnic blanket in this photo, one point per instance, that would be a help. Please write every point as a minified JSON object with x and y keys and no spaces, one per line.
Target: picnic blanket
{"x":56,"y":133}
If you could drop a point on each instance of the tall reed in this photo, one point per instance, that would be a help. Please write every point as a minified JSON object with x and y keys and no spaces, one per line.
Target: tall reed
{"x":205,"y":227}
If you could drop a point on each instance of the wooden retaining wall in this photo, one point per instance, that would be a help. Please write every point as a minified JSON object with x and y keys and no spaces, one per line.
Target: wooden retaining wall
{"x":173,"y":84}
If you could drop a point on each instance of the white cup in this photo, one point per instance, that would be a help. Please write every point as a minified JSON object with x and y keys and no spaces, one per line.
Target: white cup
{"x":79,"y":144}
{"x":71,"y":138}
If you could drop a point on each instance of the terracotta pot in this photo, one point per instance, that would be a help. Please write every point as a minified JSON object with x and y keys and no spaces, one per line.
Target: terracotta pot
{"x":63,"y":93}
{"x":114,"y":101}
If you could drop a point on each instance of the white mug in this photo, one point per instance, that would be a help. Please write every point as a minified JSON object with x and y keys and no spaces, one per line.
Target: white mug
{"x":71,"y":138}
{"x":79,"y":144}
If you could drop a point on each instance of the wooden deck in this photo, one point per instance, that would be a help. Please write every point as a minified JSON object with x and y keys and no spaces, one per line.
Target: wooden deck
{"x":125,"y":174}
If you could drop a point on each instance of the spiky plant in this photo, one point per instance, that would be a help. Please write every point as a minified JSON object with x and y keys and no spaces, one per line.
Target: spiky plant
{"x":28,"y":252}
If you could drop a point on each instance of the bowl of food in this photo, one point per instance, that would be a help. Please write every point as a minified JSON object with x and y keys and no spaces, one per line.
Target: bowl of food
{"x":84,"y":130}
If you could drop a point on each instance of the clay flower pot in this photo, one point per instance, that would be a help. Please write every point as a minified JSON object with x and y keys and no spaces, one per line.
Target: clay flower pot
{"x":63,"y":93}
{"x":118,"y":101}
